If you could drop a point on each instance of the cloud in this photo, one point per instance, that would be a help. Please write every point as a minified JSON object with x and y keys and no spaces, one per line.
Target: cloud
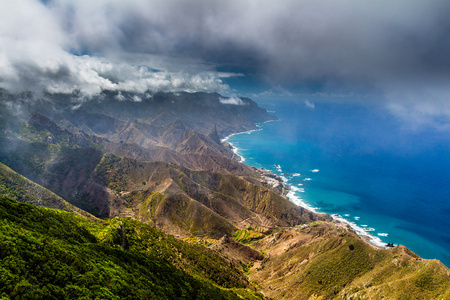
{"x":309,"y":104}
{"x":232,"y":100}
{"x":396,"y":50}
{"x":39,"y":53}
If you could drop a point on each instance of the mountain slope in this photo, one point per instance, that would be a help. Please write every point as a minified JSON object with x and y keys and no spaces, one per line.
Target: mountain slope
{"x":17,"y":187}
{"x":48,"y":253}
{"x":185,"y":202}
{"x":326,"y":261}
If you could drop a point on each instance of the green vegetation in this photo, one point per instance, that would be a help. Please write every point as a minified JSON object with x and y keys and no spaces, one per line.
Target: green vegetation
{"x":53,"y":254}
{"x":324,"y":261}
{"x":247,"y":236}
{"x":194,"y":259}
{"x":339,"y":266}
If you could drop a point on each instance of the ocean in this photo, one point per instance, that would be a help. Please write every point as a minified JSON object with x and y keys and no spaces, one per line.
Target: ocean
{"x":362,"y":165}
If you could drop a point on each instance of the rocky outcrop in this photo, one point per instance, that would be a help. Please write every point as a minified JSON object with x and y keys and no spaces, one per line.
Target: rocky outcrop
{"x":213,"y":135}
{"x":41,"y":122}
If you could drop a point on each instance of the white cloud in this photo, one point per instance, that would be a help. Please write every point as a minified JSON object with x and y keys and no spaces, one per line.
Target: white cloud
{"x":309,"y":104}
{"x":120,"y":97}
{"x":232,"y":101}
{"x":36,"y":53}
{"x":136,"y":98}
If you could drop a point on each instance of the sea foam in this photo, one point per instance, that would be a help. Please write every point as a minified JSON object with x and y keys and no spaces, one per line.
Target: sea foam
{"x":291,"y":195}
{"x":363,"y":232}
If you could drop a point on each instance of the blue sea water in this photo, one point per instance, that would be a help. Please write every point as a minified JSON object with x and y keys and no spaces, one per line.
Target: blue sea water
{"x":361,"y":163}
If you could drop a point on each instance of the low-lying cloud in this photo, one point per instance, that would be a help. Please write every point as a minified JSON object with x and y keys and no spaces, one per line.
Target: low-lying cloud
{"x":37,"y":53}
{"x":232,"y":101}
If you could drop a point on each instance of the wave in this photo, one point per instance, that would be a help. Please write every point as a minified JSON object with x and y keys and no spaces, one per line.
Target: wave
{"x":297,"y":189}
{"x":233,"y":147}
{"x":225,"y":139}
{"x":299,"y":201}
{"x":257,"y":124}
{"x":250,"y":131}
{"x":315,"y":170}
{"x":236,"y":152}
{"x":363,"y":232}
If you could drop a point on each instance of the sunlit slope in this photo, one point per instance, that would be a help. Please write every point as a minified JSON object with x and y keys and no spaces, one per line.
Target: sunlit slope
{"x":326,"y":261}
{"x":48,"y":253}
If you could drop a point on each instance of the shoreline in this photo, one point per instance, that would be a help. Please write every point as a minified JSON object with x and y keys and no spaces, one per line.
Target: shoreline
{"x":288,"y":191}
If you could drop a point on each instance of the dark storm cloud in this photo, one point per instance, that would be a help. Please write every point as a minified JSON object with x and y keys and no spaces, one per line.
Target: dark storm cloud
{"x":397,"y":48}
{"x":290,"y":39}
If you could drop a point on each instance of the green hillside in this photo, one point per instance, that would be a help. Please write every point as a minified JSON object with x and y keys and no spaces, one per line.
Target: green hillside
{"x":326,"y":261}
{"x":52,"y":254}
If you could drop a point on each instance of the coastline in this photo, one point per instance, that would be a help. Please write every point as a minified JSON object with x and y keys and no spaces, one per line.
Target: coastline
{"x":234,"y":148}
{"x":280,"y":183}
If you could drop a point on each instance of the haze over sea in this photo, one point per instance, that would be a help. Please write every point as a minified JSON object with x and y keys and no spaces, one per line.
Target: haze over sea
{"x":363,"y":164}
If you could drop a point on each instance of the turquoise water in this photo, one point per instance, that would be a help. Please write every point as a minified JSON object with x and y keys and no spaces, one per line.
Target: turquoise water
{"x":364,"y":165}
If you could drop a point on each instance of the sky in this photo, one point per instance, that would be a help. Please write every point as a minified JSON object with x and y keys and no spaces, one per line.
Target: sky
{"x":393,"y":53}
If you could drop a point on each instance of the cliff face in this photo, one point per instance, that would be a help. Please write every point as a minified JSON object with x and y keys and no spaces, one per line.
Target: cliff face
{"x":198,"y":112}
{"x":17,"y":187}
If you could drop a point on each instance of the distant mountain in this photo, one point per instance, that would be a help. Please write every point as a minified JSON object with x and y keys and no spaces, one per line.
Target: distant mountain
{"x":193,"y":202}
